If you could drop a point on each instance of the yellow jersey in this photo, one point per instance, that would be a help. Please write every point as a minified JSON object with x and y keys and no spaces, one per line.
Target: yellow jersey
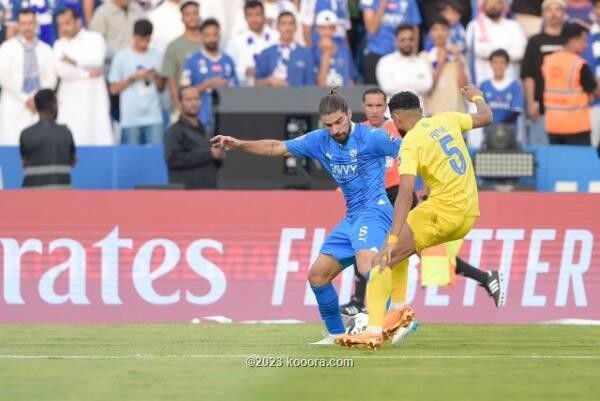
{"x":436,"y":150}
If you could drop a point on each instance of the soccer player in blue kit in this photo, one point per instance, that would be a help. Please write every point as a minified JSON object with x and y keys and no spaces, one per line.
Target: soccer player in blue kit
{"x":354,"y":155}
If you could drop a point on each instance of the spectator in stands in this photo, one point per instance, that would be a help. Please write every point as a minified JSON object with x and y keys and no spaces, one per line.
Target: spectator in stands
{"x":208,"y":69}
{"x":451,"y":11}
{"x":432,"y":8}
{"x":134,"y":75}
{"x":581,"y":11}
{"x":43,"y":10}
{"x":538,"y":47}
{"x":504,"y":95}
{"x":114,"y":20}
{"x":381,"y":18}
{"x":568,"y":86}
{"x":166,"y":20}
{"x":272,"y":10}
{"x":84,"y":107}
{"x":449,"y":73}
{"x":26,"y":66}
{"x":191,"y":159}
{"x":47,"y":148}
{"x":275,"y":7}
{"x":181,"y":48}
{"x":245,"y":46}
{"x":309,"y":9}
{"x":595,"y":50}
{"x":334,"y":61}
{"x":528,"y":14}
{"x":167,"y":23}
{"x":491,"y":31}
{"x":81,"y":8}
{"x":223,"y":11}
{"x":286,"y":63}
{"x":403,"y":70}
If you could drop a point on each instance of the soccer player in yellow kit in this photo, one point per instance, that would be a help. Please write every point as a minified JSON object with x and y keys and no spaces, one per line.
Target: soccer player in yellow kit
{"x":435,"y":149}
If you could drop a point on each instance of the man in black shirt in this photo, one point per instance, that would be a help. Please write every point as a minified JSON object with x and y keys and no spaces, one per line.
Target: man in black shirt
{"x":190,"y":157}
{"x":539,"y":46}
{"x":47,"y":148}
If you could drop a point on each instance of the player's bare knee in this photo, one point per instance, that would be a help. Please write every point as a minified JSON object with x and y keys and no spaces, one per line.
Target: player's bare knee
{"x":364,"y":260}
{"x":318,"y":277}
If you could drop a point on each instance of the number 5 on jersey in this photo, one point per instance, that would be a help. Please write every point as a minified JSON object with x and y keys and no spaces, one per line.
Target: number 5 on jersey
{"x":459,"y":166}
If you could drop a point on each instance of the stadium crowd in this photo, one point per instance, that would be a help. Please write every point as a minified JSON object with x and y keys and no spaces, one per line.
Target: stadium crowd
{"x":118,"y":65}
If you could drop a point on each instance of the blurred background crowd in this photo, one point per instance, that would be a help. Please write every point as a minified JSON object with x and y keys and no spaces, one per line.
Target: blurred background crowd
{"x":120,"y":68}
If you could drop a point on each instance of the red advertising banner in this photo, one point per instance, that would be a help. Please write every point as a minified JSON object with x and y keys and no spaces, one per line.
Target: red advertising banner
{"x":158,"y":256}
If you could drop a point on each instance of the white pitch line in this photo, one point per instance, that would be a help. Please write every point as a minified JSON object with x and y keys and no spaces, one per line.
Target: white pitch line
{"x":349,"y":356}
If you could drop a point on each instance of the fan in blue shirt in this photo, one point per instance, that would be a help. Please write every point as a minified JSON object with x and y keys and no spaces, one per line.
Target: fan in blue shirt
{"x":286,"y":63}
{"x":309,"y":9}
{"x":505,"y":97}
{"x":381,"y":38}
{"x":208,"y":69}
{"x":354,"y":155}
{"x":333,"y":60}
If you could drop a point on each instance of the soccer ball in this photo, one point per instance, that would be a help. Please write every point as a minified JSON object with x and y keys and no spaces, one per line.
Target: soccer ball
{"x":357,"y":323}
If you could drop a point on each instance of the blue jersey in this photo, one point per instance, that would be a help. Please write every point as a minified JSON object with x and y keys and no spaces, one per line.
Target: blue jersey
{"x":43,"y":10}
{"x":341,"y":65}
{"x":200,"y":67}
{"x":397,"y":12}
{"x":293,"y":64}
{"x":358,"y":166}
{"x":503,"y":101}
{"x":309,"y":9}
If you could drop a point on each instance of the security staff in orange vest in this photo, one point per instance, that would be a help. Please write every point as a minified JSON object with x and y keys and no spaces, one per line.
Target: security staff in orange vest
{"x":569,"y":86}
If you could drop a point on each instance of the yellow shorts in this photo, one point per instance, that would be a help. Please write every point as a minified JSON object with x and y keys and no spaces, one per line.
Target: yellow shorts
{"x":431,"y":225}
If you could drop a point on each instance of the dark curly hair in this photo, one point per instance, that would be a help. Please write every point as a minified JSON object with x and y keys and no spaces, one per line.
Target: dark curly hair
{"x":404,"y":101}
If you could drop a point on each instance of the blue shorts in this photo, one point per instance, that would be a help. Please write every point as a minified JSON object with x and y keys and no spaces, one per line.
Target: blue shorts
{"x":366,"y":230}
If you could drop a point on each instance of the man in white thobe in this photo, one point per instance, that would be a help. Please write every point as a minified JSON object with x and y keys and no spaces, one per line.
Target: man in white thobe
{"x":492,"y":31}
{"x":26,"y":66}
{"x":83,"y":103}
{"x":403,"y":70}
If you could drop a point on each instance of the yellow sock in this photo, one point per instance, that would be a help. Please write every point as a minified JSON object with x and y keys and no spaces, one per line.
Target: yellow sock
{"x":399,"y":284}
{"x":379,"y":288}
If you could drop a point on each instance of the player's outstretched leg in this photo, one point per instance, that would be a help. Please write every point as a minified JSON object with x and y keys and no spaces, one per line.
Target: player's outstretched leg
{"x":492,"y":281}
{"x":323,"y":271}
{"x":379,"y":289}
{"x":400,"y":321}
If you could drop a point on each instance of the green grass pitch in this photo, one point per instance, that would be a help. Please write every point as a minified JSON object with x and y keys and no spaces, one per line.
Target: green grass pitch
{"x":207,"y":362}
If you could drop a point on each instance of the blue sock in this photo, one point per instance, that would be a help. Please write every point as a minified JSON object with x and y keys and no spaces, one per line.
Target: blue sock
{"x":329,"y":308}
